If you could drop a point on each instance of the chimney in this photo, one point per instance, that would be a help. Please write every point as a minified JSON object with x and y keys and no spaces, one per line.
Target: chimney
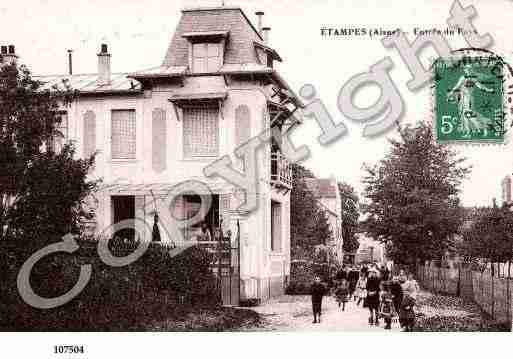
{"x":103,"y":66}
{"x":8,"y":54}
{"x":70,"y":61}
{"x":260,"y":15}
{"x":265,"y":34}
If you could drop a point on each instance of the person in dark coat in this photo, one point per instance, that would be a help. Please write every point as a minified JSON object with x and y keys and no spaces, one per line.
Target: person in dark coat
{"x":397,"y":293}
{"x":373,"y":288}
{"x":317,"y":290}
{"x":364,"y":270}
{"x":385,"y":273}
{"x":155,"y":236}
{"x":341,"y":274}
{"x":353,"y":277}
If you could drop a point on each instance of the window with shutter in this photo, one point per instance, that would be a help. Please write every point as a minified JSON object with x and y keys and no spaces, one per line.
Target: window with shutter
{"x":123,"y":134}
{"x":206,"y":57}
{"x":158,"y":140}
{"x":201,"y":131}
{"x":89,"y":133}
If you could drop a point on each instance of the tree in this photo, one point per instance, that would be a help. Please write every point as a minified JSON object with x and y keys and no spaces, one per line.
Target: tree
{"x":41,"y":190}
{"x":490,"y":236}
{"x":308,"y":222}
{"x":412,"y":197}
{"x":349,"y":215}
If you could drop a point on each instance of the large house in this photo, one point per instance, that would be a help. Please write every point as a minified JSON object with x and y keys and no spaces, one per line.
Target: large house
{"x":328,"y":197}
{"x":215,"y":89}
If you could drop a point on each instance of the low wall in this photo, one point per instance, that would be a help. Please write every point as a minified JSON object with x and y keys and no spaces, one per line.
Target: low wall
{"x":492,"y":294}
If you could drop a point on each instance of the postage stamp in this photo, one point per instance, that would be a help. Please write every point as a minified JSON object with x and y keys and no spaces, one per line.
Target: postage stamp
{"x":469,"y":99}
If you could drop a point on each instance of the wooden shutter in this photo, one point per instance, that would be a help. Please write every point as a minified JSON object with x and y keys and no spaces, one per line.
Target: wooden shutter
{"x":242,"y":125}
{"x":201,"y":131}
{"x":275,"y":226}
{"x":159,"y":139}
{"x":123,"y":134}
{"x":140,"y":214}
{"x":89,"y":133}
{"x":224,"y":211}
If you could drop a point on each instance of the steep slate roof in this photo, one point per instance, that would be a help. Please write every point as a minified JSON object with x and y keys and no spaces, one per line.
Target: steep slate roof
{"x":242,"y":35}
{"x":322,"y":187}
{"x":87,"y":83}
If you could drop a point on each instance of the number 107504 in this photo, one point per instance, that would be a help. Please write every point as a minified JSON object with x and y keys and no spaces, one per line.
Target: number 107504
{"x":68,"y":349}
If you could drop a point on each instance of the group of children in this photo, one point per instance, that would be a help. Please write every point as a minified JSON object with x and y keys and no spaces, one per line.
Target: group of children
{"x":387,"y":299}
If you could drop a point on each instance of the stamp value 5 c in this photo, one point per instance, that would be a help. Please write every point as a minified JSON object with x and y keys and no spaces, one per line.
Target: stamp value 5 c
{"x":469,"y":99}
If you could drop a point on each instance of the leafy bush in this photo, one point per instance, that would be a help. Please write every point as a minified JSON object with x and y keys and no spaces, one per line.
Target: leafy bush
{"x":298,"y":288}
{"x":143,"y":290}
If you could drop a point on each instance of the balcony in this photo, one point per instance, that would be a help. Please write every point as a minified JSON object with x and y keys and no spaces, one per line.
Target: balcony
{"x":281,"y":171}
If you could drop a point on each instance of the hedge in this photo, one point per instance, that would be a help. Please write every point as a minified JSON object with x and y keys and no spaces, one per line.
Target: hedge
{"x":128,"y":295}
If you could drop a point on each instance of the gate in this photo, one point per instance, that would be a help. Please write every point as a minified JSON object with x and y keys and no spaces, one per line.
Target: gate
{"x":226,"y":266}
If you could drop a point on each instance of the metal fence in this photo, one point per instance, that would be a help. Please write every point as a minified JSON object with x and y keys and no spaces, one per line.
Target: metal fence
{"x":493,"y":294}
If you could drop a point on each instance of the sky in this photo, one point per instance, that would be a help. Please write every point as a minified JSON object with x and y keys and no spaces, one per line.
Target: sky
{"x":138,"y":34}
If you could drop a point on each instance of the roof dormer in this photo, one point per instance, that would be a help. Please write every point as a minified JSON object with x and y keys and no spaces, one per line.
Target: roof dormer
{"x":206,"y":50}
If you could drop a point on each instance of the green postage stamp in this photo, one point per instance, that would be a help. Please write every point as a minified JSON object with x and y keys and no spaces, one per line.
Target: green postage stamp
{"x":469,"y":99}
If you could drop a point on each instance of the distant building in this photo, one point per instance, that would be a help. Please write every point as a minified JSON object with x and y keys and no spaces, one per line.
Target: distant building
{"x":506,"y":189}
{"x":369,"y":251}
{"x":328,"y":196}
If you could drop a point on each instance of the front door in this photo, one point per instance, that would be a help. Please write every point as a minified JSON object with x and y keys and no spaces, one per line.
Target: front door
{"x":123,"y":208}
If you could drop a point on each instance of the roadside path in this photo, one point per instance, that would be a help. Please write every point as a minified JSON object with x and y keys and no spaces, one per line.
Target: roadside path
{"x":294,"y":313}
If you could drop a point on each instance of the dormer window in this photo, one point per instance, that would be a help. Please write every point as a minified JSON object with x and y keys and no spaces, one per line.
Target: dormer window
{"x":206,"y":57}
{"x":206,"y":50}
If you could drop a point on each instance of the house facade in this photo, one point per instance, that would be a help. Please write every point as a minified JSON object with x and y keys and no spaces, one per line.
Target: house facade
{"x":156,"y":129}
{"x":328,"y":196}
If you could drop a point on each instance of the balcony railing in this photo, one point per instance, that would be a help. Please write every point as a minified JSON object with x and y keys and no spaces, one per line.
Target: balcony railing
{"x":281,"y":170}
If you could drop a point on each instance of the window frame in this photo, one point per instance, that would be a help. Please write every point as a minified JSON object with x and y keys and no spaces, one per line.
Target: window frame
{"x":123,"y":159}
{"x":276,"y":244}
{"x":220,"y":44}
{"x":197,"y":157}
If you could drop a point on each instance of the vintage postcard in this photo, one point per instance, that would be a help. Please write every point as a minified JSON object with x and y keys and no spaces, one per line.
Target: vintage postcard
{"x":249,"y":166}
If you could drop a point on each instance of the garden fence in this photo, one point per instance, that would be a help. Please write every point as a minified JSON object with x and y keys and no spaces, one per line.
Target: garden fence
{"x":492,"y":293}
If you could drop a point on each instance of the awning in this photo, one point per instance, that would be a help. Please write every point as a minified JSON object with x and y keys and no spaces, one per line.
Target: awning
{"x":204,"y":34}
{"x":160,"y":189}
{"x":270,"y":50}
{"x":206,"y":96}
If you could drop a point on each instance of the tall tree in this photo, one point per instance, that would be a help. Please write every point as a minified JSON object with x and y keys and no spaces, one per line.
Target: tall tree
{"x":309,"y":225}
{"x":412,"y":197}
{"x":41,"y":189}
{"x":490,"y":236}
{"x":349,"y":214}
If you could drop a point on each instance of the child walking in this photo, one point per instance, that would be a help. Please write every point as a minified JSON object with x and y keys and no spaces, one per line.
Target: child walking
{"x":361,"y":288}
{"x":342,"y":293}
{"x":317,"y":290}
{"x":386,"y":305}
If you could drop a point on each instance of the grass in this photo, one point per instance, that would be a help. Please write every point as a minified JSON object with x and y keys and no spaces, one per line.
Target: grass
{"x":207,"y":320}
{"x":155,"y":315}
